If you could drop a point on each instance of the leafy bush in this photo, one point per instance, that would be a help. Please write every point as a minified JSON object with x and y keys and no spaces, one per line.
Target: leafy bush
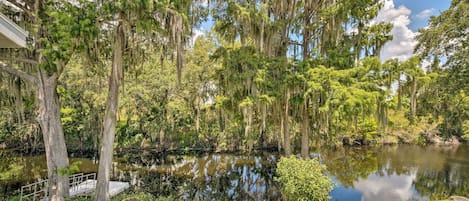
{"x":303,"y":179}
{"x":368,"y":128}
{"x":136,"y":197}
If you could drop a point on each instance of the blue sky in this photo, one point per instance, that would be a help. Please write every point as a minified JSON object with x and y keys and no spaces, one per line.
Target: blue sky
{"x":407,"y":17}
{"x":425,"y":8}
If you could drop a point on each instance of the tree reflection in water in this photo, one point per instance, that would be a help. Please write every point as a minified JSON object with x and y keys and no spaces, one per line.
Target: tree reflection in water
{"x":209,"y":177}
{"x":404,"y":172}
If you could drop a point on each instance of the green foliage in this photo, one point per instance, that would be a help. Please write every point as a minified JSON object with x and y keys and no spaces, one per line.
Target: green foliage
{"x":71,"y":169}
{"x":465,"y":130}
{"x":246,"y":102}
{"x":303,"y":179}
{"x":420,"y":140}
{"x":445,"y":41}
{"x":368,"y":129}
{"x":13,"y":170}
{"x":14,"y":198}
{"x":235,"y":82}
{"x":137,"y":196}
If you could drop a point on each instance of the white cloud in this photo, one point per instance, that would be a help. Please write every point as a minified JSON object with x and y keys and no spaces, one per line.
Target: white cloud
{"x":391,"y":187}
{"x":426,"y":63}
{"x":403,"y":43}
{"x":195,"y":34}
{"x":425,"y":14}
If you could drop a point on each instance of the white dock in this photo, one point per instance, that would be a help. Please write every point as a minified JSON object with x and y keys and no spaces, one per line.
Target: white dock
{"x":89,"y":186}
{"x":80,"y":184}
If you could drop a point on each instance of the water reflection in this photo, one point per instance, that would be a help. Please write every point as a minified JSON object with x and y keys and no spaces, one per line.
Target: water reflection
{"x":391,"y":187}
{"x":383,"y":173}
{"x":210,"y":177}
{"x":399,"y":173}
{"x":16,"y":171}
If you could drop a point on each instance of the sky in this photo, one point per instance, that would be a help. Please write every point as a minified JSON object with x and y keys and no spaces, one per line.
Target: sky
{"x":407,"y":16}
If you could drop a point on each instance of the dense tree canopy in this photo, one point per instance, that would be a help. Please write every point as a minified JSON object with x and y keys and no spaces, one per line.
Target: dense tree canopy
{"x":265,"y":74}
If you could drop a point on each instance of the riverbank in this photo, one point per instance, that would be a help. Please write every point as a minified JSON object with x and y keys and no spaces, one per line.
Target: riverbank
{"x":410,"y":135}
{"x":459,"y":198}
{"x":396,"y":137}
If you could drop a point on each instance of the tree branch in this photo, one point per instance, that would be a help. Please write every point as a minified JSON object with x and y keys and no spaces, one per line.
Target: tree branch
{"x":23,"y":75}
{"x":29,"y":61}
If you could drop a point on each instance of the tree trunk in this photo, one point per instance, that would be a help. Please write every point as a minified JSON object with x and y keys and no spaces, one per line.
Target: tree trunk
{"x":18,"y":100}
{"x":52,"y":131}
{"x":247,"y":127}
{"x":280,"y":131}
{"x":162,"y":145}
{"x":264,"y":137}
{"x":399,"y":93}
{"x":306,"y":56}
{"x":306,"y":29}
{"x":413,"y":100}
{"x":197,"y":117}
{"x":305,"y":131}
{"x":221,"y":135}
{"x":262,"y":27}
{"x":106,"y":154}
{"x":221,"y":120}
{"x":286,"y":134}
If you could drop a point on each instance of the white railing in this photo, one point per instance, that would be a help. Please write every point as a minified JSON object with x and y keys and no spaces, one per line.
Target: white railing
{"x":34,"y":191}
{"x":82,"y":184}
{"x":78,"y":183}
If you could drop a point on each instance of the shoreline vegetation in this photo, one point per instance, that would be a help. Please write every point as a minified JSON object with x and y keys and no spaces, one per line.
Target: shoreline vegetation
{"x":422,"y":140}
{"x":423,"y":133}
{"x":428,"y":135}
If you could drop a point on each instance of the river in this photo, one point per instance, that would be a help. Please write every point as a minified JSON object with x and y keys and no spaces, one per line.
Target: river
{"x":387,"y":173}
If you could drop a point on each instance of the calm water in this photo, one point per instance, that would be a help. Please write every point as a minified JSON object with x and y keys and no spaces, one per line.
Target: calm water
{"x":386,"y":173}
